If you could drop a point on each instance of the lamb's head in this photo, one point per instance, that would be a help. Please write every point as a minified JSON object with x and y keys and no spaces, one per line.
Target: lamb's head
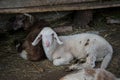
{"x":48,"y":36}
{"x":21,"y":21}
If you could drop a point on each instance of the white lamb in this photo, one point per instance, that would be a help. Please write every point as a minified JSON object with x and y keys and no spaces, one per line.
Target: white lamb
{"x":61,"y":50}
{"x":90,"y":74}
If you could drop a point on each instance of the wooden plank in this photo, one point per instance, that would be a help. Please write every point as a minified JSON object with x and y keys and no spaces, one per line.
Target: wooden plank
{"x":34,"y":3}
{"x":63,"y":29}
{"x":79,"y":6}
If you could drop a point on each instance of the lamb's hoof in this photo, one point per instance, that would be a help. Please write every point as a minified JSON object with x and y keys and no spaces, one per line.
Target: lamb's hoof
{"x":75,"y":67}
{"x":68,"y":70}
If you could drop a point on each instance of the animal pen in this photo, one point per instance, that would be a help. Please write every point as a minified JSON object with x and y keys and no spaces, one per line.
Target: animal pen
{"x":68,"y":17}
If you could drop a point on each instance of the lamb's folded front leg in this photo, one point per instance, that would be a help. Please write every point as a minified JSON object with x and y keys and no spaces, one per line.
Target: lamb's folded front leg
{"x":90,"y":63}
{"x":62,"y":58}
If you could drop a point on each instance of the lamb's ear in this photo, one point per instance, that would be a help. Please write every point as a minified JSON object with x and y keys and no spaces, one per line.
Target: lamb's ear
{"x":37,"y":39}
{"x":56,"y":37}
{"x":30,"y":17}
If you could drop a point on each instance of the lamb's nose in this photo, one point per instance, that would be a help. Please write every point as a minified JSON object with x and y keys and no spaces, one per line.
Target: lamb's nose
{"x":47,"y":43}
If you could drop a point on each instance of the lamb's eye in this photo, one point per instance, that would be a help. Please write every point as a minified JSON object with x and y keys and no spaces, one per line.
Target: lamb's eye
{"x":52,"y":34}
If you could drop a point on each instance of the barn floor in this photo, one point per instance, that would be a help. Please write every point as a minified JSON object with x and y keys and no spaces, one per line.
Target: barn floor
{"x":12,"y":67}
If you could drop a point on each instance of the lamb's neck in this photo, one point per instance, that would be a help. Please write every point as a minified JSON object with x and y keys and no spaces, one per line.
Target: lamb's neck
{"x":50,"y":50}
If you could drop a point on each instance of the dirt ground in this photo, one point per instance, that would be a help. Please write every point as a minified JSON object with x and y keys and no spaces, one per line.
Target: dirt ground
{"x":12,"y":67}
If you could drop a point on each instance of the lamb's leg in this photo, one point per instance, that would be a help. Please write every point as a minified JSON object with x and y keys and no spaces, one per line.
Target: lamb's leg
{"x":61,"y":61}
{"x":90,"y":63}
{"x":106,"y":60}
